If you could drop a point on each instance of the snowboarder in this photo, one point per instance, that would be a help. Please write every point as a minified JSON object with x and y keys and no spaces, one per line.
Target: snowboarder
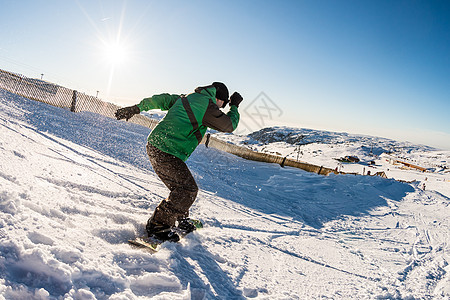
{"x":173,"y":140}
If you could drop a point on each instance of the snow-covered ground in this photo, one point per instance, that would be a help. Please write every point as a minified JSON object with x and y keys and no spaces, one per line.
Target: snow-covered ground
{"x":75,"y":187}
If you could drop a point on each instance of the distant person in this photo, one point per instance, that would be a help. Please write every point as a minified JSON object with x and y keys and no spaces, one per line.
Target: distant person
{"x":173,"y":140}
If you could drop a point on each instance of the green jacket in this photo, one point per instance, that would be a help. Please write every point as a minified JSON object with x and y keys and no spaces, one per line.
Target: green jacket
{"x":187,"y":119}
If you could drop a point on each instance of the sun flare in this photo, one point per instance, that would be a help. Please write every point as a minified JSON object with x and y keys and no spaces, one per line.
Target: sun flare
{"x":115,"y":53}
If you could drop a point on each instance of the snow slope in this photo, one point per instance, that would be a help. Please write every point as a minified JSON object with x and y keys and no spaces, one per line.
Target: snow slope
{"x":75,"y":187}
{"x":324,"y":148}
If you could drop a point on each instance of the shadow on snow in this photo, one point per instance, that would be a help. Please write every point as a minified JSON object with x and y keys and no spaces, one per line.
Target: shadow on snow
{"x":306,"y":197}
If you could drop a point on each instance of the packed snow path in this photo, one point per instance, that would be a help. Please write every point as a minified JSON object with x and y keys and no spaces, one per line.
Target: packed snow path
{"x":75,"y":187}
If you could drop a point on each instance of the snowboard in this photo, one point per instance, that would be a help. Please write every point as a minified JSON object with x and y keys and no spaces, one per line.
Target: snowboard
{"x":151,"y":243}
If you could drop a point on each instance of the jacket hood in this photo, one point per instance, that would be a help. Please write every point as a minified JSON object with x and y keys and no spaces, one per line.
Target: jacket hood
{"x":209,"y":91}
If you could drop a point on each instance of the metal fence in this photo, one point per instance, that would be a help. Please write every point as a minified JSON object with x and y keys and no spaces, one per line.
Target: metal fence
{"x":59,"y":96}
{"x":56,"y":95}
{"x":246,"y":153}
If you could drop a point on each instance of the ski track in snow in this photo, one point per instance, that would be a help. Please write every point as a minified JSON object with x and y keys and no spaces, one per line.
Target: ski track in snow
{"x":75,"y":187}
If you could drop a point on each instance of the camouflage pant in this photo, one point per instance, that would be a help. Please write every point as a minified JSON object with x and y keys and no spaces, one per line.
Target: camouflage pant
{"x":176,"y":176}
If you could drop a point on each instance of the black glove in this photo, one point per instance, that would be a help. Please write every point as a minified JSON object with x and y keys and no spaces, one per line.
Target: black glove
{"x":235,"y":99}
{"x":127,"y":112}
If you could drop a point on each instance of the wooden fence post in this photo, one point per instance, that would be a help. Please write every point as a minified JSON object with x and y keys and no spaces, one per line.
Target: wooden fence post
{"x":74,"y":101}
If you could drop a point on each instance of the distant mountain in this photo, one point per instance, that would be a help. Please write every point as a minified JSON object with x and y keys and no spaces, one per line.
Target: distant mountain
{"x":304,"y":136}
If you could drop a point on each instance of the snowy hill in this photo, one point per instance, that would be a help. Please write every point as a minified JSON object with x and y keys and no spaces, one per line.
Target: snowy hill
{"x":75,"y":187}
{"x":375,"y":154}
{"x":303,"y":136}
{"x":298,"y":139}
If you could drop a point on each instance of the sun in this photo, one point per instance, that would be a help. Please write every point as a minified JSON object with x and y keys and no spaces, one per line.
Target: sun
{"x":116,"y":53}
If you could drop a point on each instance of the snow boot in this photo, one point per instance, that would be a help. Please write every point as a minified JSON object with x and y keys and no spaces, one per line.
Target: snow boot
{"x":162,"y":232}
{"x":188,"y":225}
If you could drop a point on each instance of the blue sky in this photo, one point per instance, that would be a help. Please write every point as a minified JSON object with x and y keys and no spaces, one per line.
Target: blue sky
{"x":369,"y":67}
